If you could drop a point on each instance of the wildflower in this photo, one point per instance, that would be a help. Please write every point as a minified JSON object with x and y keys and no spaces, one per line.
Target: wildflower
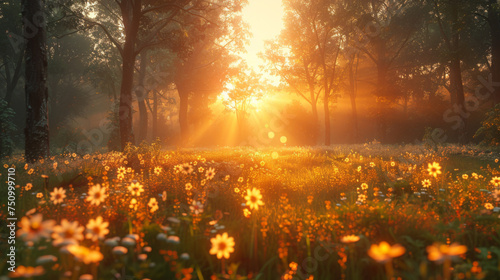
{"x":496,"y":194}
{"x":495,"y":181}
{"x":236,"y":190}
{"x":34,"y":228}
{"x":58,"y":195}
{"x":39,"y":195}
{"x":364,"y":186}
{"x":222,"y":246}
{"x":385,"y":252}
{"x":440,"y":252}
{"x":136,"y":189}
{"x":196,"y":207}
{"x":465,"y":176}
{"x":96,"y":195}
{"x":164,"y":196}
{"x":158,"y":170}
{"x":210,"y":174}
{"x":488,"y":206}
{"x":67,"y":233}
{"x":27,"y":272}
{"x":426,"y":183}
{"x":246,"y":213}
{"x":153,"y":204}
{"x":28,"y":186}
{"x":253,"y":198}
{"x":186,"y":168}
{"x":434,"y":169}
{"x":189,"y":186}
{"x":349,"y":239}
{"x":372,"y":164}
{"x":85,"y":254}
{"x":122,"y":170}
{"x":240,"y":180}
{"x":97,"y":229}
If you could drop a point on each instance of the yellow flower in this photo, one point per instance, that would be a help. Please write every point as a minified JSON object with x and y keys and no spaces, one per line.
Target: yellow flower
{"x":349,"y":239}
{"x":253,"y":198}
{"x":136,"y":189}
{"x":240,"y":180}
{"x":385,"y":252}
{"x":434,"y":169}
{"x":495,"y":181}
{"x":34,"y":228}
{"x":97,"y":229}
{"x":364,"y":186}
{"x":210,"y":174}
{"x":488,"y":206}
{"x":85,"y":254}
{"x":158,"y":170}
{"x":186,"y":168}
{"x":58,"y":195}
{"x":465,"y":176}
{"x":222,"y":246}
{"x":67,"y":233}
{"x":189,"y":186}
{"x":439,"y":252}
{"x":97,"y":194}
{"x":246,"y":213}
{"x":122,"y":170}
{"x":153,"y":204}
{"x":426,"y":183}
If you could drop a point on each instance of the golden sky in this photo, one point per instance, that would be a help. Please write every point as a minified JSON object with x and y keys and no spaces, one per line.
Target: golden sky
{"x":265,"y":18}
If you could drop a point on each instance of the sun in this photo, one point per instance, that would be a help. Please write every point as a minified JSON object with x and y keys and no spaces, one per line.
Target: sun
{"x":265,"y":20}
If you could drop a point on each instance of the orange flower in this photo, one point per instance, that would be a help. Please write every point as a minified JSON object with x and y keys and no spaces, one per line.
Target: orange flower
{"x":97,"y":229}
{"x":136,"y":189}
{"x":349,"y":239}
{"x":33,"y":228}
{"x":385,"y":252}
{"x":439,"y":252}
{"x":222,"y":246}
{"x":97,"y":194}
{"x":85,"y":254}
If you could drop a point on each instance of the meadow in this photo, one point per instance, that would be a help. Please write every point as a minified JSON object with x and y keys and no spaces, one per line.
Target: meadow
{"x":348,"y":212}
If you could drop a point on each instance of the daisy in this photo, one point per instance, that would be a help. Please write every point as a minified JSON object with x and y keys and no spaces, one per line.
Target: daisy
{"x":426,"y":183}
{"x":58,"y":195}
{"x":67,"y":233}
{"x":434,"y":169}
{"x":222,"y":246}
{"x":136,"y":189}
{"x":196,"y":207}
{"x":253,"y":198}
{"x":186,"y":168}
{"x":384,"y":252}
{"x":97,"y":229}
{"x":96,"y":195}
{"x":85,"y":254}
{"x":439,"y":252}
{"x":210,"y":174}
{"x":34,"y":228}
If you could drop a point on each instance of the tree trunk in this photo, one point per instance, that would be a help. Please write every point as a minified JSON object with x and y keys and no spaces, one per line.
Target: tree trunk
{"x":183,"y":114}
{"x":131,"y":15}
{"x":352,"y":95}
{"x":155,"y":115}
{"x":142,"y":95}
{"x":326,"y":107}
{"x":494,"y":21}
{"x":37,"y":118}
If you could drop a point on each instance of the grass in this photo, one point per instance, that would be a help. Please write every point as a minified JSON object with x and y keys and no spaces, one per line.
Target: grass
{"x":313,"y":198}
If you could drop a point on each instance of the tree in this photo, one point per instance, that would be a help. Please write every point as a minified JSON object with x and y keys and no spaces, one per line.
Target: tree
{"x":306,"y":54}
{"x":37,"y":119}
{"x":205,"y":64}
{"x":243,"y":90}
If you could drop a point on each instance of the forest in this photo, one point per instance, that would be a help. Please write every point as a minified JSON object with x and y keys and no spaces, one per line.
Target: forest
{"x":250,"y":139}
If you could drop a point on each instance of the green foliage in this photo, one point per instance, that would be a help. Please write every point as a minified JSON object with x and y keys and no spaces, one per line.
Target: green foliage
{"x":7,"y":129}
{"x":489,"y":131}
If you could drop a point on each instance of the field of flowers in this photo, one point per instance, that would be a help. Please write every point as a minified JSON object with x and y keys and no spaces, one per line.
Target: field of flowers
{"x":350,"y":212}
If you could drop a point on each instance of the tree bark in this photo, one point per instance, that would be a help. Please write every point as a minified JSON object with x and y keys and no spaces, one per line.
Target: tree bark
{"x":37,"y":118}
{"x":183,"y":113}
{"x":131,"y":14}
{"x":141,"y":95}
{"x":494,"y":22}
{"x":352,"y":95}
